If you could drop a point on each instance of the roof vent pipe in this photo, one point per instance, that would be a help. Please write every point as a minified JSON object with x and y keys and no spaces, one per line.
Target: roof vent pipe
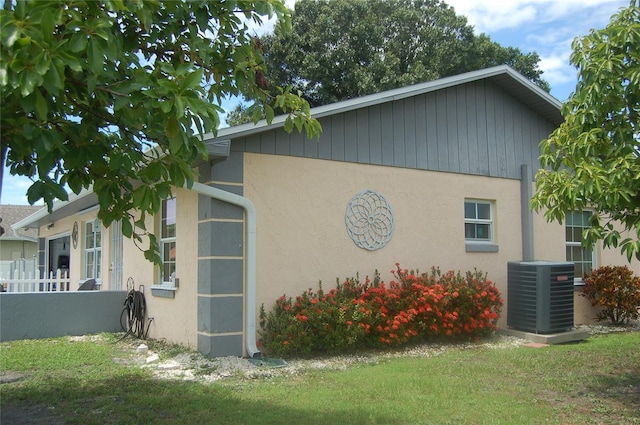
{"x":250,"y":261}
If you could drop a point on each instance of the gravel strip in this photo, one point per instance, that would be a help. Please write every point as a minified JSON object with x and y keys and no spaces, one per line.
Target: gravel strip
{"x":192,"y":366}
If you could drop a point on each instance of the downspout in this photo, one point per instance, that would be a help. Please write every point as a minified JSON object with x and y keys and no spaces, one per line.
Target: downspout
{"x":250,"y":262}
{"x":526,"y":216}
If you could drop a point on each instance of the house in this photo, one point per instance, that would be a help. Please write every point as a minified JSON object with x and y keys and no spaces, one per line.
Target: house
{"x":435,"y":174}
{"x":18,"y":247}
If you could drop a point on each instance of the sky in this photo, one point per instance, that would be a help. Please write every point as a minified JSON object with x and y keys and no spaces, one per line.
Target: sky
{"x":547,"y":27}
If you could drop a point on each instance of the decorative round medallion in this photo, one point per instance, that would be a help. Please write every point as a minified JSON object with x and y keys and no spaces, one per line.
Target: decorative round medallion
{"x":74,"y":235}
{"x":369,"y":220}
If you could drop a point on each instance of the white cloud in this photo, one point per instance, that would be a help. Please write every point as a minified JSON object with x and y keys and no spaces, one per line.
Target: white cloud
{"x":558,"y":72}
{"x":267,"y":25}
{"x":492,"y":15}
{"x":547,"y":27}
{"x":495,"y":15}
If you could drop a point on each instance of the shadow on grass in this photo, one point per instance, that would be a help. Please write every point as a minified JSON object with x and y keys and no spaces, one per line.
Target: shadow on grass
{"x":143,"y":400}
{"x":623,"y":388}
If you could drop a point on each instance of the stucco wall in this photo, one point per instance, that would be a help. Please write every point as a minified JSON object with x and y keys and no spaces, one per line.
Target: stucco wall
{"x":550,"y":245}
{"x":301,"y":233}
{"x":302,"y":239}
{"x":174,"y":319}
{"x":48,"y":315}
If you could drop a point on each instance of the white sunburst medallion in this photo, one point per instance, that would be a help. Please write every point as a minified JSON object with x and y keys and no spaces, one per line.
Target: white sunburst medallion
{"x":369,"y":220}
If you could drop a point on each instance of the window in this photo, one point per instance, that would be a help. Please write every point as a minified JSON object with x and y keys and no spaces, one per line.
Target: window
{"x":168,"y":241}
{"x":583,"y":258}
{"x":478,"y":221}
{"x":92,"y":250}
{"x":479,"y":232}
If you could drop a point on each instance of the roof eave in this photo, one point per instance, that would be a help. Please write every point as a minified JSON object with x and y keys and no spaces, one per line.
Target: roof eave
{"x":43,"y":216}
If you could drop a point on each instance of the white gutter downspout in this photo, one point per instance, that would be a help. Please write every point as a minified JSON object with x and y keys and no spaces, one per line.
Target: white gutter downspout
{"x":250,"y":261}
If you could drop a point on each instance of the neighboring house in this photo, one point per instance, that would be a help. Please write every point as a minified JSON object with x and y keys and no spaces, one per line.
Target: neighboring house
{"x":18,"y":247}
{"x":449,"y":165}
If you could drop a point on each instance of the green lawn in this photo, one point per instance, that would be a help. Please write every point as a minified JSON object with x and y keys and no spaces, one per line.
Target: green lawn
{"x":593,"y":382}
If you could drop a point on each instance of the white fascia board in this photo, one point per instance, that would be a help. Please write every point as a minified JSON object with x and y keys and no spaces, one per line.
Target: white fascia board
{"x":42,"y":213}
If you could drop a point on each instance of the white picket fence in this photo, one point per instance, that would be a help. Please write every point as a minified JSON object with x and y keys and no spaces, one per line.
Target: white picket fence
{"x":56,"y":282}
{"x":17,"y":268}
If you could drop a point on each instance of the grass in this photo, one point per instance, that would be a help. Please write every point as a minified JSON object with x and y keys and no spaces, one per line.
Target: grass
{"x":594,"y":382}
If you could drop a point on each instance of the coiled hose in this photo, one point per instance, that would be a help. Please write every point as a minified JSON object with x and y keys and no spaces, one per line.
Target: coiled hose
{"x":133,"y":316}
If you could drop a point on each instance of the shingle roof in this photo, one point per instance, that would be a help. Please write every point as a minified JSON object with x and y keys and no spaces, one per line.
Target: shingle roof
{"x":12,"y":214}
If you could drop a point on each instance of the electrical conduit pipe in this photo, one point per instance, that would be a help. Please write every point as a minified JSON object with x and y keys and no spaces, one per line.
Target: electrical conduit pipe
{"x":250,"y":261}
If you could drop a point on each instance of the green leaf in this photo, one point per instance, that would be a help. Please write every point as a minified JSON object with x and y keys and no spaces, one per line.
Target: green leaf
{"x":127,"y":229}
{"x":256,"y":114}
{"x":105,"y":197}
{"x":96,"y":57}
{"x":179,"y":105}
{"x":55,"y":78}
{"x":35,"y":192}
{"x":70,"y":60}
{"x":166,"y":105}
{"x":41,"y":106}
{"x":43,"y":63}
{"x":10,"y":33}
{"x":269,"y":114}
{"x":173,"y":130}
{"x":56,"y":190}
{"x":192,"y":80}
{"x":288,"y":124}
{"x":78,"y":42}
{"x":48,"y":26}
{"x":28,"y":81}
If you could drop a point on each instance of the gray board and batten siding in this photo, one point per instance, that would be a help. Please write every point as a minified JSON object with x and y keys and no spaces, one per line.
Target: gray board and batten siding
{"x":474,"y":128}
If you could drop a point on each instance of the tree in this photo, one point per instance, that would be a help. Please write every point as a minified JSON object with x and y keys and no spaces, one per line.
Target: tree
{"x":117,"y":95}
{"x":592,"y":160}
{"x":342,"y":49}
{"x":238,"y":115}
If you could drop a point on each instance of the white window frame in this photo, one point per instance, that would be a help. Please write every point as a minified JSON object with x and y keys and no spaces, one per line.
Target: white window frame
{"x":167,"y":241}
{"x":572,"y":244}
{"x":479,"y":221}
{"x":93,"y":246}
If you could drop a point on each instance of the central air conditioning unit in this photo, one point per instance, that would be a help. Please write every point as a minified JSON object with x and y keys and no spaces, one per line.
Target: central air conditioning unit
{"x":540,"y":296}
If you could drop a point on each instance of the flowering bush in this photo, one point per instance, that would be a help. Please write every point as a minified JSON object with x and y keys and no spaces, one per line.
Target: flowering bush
{"x":617,"y":290}
{"x":414,"y":307}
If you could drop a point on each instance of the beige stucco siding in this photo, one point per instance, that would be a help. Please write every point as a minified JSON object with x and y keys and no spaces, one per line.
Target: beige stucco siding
{"x":302,"y":236}
{"x":550,"y":244}
{"x":174,"y":319}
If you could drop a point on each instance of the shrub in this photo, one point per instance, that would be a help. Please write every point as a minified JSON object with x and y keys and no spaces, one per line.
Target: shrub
{"x":617,"y":290}
{"x":414,"y":307}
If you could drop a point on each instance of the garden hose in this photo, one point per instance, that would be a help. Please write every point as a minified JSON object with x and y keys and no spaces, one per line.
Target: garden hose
{"x":132,"y":318}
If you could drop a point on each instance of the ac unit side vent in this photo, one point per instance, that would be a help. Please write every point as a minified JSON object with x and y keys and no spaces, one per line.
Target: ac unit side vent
{"x":540,"y":296}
